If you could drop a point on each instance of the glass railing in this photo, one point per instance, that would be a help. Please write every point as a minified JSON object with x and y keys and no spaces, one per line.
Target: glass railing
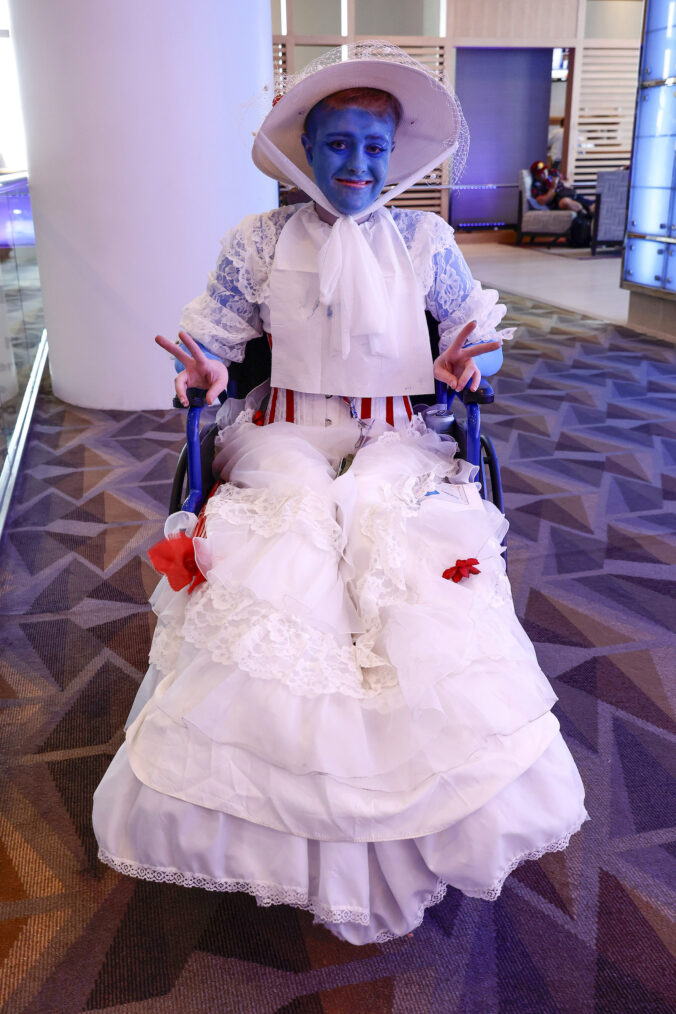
{"x":22,"y":337}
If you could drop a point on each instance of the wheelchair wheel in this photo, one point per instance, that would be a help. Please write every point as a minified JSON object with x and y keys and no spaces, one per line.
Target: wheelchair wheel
{"x":491,"y":466}
{"x":178,"y":484}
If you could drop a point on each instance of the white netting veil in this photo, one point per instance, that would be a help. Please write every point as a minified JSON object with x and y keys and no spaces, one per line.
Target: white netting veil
{"x":432,"y":139}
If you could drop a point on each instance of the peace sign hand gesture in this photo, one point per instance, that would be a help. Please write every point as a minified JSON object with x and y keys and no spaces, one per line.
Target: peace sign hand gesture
{"x":208,"y":374}
{"x":456,"y":366}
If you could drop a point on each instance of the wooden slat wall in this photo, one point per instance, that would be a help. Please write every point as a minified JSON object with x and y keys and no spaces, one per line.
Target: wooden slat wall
{"x":538,"y":21}
{"x":279,"y":61}
{"x":432,"y":56}
{"x":605,"y":111}
{"x":602,"y":88}
{"x":429,"y":195}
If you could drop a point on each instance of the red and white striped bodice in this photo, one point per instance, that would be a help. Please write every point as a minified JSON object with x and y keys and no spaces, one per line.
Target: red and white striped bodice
{"x":322,"y":410}
{"x":285,"y":405}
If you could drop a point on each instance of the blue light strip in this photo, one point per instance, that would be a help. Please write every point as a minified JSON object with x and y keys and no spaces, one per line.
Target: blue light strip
{"x":649,"y":259}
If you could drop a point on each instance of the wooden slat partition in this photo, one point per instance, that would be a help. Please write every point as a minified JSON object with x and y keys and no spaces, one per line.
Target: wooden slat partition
{"x":279,"y":60}
{"x":605,"y":114}
{"x":511,"y":21}
{"x":427,"y":196}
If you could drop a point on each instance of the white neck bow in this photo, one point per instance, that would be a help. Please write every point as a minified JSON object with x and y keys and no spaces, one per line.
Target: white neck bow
{"x":351,"y":283}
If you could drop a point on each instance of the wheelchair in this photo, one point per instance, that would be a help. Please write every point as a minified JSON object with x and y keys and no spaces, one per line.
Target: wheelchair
{"x":194,"y":480}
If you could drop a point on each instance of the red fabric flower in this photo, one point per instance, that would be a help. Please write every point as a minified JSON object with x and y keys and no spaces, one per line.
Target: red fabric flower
{"x":462,"y":568}
{"x":175,"y":557}
{"x":258,"y":418}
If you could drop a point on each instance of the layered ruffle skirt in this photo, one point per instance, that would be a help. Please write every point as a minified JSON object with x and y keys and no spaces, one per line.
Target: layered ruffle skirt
{"x":327,"y":721}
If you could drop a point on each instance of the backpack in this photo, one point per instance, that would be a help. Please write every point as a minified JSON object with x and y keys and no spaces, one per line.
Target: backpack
{"x":579,"y":233}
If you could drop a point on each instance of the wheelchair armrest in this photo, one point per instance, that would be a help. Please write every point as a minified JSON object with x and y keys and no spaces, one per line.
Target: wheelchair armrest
{"x":484,"y":394}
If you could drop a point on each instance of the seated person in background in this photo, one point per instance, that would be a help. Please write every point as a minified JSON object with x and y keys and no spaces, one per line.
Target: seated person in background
{"x":552,"y":190}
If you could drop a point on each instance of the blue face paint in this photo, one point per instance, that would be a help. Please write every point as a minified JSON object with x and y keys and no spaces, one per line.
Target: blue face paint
{"x":349,"y":151}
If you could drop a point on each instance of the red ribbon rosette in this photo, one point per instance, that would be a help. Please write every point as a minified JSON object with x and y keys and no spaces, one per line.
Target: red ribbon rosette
{"x":175,"y":557}
{"x":462,"y":568}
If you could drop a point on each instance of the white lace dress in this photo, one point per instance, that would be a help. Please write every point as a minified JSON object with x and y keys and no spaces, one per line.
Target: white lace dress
{"x":328,"y":721}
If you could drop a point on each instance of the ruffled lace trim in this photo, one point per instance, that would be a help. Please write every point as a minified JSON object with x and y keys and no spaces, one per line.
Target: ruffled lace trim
{"x":480,"y":305}
{"x":425,"y":235}
{"x":270,"y":515}
{"x":274,"y":894}
{"x":249,"y":250}
{"x":265,"y":894}
{"x":227,"y":314}
{"x":493,"y":892}
{"x":558,"y":845}
{"x":166,"y":646}
{"x":237,"y":628}
{"x":437,"y":895}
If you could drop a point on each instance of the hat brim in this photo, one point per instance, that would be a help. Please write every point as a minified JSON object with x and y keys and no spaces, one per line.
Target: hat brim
{"x":431,"y":120}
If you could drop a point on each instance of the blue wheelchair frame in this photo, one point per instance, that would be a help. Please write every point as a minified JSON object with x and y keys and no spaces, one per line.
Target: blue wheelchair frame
{"x":197,"y":455}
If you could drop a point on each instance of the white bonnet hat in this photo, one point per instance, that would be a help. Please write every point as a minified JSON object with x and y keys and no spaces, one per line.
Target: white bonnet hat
{"x":431,"y":130}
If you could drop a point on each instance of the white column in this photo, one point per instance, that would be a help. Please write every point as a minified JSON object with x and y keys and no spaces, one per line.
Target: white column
{"x":139,"y":117}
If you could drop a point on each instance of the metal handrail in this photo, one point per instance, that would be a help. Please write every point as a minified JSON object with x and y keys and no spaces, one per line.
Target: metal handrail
{"x":10,"y":468}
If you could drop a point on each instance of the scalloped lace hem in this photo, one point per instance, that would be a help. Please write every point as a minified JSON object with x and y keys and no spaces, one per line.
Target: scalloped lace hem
{"x":558,"y":845}
{"x":434,"y":898}
{"x":491,"y":893}
{"x":265,"y":894}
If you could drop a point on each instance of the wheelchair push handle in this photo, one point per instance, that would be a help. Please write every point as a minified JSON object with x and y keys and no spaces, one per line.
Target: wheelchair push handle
{"x":197,"y":398}
{"x":444,"y":395}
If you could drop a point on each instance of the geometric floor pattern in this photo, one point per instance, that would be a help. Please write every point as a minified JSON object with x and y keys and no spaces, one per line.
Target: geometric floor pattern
{"x":585,"y":425}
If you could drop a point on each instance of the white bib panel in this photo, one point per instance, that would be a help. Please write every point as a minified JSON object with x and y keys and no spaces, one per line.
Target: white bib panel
{"x":306,"y":354}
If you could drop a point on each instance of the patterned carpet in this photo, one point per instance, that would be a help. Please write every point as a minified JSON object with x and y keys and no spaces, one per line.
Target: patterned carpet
{"x":586,"y":429}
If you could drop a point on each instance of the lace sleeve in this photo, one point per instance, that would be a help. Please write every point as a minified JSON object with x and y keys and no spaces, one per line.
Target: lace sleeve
{"x":226,"y":315}
{"x":452,"y":296}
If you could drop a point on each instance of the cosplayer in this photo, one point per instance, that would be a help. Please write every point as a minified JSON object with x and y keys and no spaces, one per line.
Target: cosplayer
{"x":342,"y":712}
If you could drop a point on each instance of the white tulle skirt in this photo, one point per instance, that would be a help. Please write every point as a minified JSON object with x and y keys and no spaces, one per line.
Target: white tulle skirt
{"x":328,"y":722}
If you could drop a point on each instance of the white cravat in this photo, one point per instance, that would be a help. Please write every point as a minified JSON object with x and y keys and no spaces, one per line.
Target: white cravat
{"x":350,"y":279}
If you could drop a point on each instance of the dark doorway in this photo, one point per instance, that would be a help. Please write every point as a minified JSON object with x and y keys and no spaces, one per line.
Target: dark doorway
{"x":505,"y":95}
